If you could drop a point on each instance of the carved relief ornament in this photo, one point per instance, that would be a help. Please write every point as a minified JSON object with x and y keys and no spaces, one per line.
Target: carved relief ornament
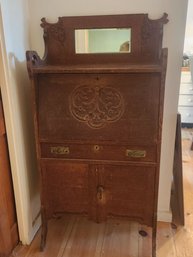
{"x":96,"y":106}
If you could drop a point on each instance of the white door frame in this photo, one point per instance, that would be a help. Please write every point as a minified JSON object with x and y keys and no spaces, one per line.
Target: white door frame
{"x":19,"y":181}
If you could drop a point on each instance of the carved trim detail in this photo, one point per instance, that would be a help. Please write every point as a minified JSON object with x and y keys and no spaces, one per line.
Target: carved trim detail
{"x":55,"y":30}
{"x":96,"y":106}
{"x":150,"y":29}
{"x":151,"y":25}
{"x":33,"y":60}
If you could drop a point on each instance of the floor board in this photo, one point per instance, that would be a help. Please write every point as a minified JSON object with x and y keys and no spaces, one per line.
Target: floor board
{"x":121,"y":239}
{"x":85,"y":240}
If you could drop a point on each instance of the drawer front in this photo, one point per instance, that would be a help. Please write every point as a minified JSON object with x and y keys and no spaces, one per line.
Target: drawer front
{"x":186,"y":100}
{"x":186,"y":89}
{"x":186,"y":77}
{"x":186,"y":114}
{"x":98,"y":152}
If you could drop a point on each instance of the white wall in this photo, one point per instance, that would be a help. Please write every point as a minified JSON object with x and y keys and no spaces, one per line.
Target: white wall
{"x":188,"y":44}
{"x":14,"y":82}
{"x":173,"y":39}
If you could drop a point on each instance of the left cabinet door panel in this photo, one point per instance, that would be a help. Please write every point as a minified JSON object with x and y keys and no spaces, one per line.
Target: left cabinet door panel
{"x":65,"y":187}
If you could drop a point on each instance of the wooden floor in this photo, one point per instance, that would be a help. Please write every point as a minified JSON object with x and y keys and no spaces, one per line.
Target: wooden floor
{"x":73,"y":236}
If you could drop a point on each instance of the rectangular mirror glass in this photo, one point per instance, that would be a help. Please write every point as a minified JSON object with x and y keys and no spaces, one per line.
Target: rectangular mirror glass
{"x":108,"y":40}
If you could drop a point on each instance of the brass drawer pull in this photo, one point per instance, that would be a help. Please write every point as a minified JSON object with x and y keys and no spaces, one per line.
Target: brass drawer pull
{"x":135,"y":153}
{"x":60,"y":150}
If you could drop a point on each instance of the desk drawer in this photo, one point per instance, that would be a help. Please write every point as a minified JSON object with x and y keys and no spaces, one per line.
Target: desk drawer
{"x":186,"y":77}
{"x":99,"y":152}
{"x":186,"y":114}
{"x":186,"y":89}
{"x":186,"y":100}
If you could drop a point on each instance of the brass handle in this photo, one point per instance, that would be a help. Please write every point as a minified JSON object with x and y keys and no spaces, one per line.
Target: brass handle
{"x":60,"y":150}
{"x":100,"y":191}
{"x":135,"y":153}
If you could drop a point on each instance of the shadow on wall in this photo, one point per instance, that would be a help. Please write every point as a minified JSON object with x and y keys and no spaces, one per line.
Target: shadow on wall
{"x":22,"y":100}
{"x":191,"y":66}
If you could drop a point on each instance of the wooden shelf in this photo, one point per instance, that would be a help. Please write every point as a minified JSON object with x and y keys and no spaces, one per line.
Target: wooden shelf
{"x":145,"y":68}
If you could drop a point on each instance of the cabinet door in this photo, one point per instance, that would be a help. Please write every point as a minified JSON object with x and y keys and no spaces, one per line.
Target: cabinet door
{"x":126,"y":191}
{"x":65,"y":187}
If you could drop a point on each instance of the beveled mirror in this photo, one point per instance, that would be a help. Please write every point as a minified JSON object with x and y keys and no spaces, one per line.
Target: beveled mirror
{"x":103,"y":40}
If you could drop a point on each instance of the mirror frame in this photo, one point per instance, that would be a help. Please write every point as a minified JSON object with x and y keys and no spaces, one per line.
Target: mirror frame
{"x":146,"y":39}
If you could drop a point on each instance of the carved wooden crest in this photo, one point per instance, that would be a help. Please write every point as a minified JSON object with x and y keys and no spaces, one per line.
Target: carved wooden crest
{"x":96,"y":106}
{"x":146,"y":39}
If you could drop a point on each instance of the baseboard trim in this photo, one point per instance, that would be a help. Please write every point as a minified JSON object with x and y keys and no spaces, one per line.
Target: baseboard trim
{"x":34,"y":228}
{"x":165,"y":216}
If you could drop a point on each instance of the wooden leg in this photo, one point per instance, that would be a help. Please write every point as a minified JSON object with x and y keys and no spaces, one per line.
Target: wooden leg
{"x":154,"y":233}
{"x":44,"y":231}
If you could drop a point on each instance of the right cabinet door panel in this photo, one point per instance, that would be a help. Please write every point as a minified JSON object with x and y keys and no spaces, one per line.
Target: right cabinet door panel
{"x":128,"y":191}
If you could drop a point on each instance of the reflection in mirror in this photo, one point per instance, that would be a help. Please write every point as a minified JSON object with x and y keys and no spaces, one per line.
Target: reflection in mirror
{"x":109,"y":40}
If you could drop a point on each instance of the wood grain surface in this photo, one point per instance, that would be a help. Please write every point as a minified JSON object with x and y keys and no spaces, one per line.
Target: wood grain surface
{"x":76,"y":235}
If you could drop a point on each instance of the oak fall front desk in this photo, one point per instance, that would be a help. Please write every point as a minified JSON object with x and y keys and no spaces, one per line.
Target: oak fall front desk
{"x":98,"y":120}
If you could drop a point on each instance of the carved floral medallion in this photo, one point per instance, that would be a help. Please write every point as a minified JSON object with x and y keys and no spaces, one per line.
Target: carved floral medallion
{"x":96,"y":106}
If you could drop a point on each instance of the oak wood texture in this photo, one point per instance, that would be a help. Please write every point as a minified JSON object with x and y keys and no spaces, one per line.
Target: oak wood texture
{"x":60,"y":40}
{"x":120,"y":234}
{"x":8,"y":221}
{"x":98,"y":120}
